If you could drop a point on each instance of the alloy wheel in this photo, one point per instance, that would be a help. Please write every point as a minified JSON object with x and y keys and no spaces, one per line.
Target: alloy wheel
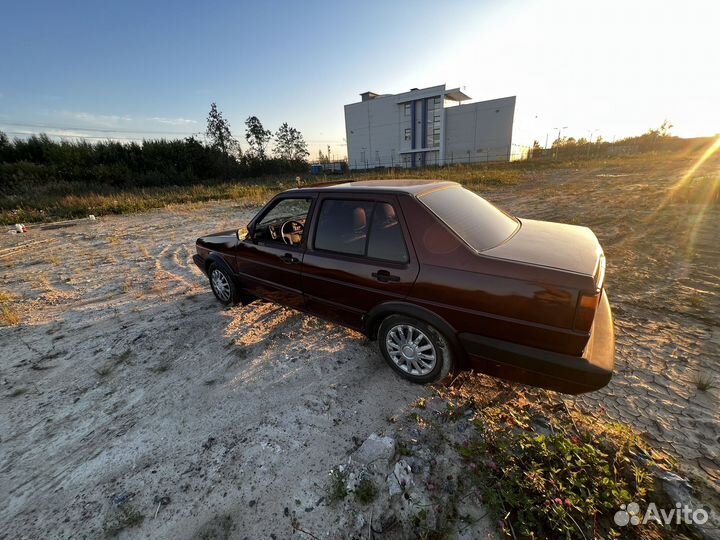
{"x":410,"y":349}
{"x":220,"y":285}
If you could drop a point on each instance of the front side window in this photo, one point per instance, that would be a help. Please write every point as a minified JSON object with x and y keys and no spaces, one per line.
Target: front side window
{"x":284,"y":222}
{"x":480,"y":224}
{"x":361,"y":228}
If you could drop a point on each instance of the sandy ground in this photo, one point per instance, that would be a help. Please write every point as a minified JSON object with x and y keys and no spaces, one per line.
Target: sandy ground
{"x":663,"y":281}
{"x":125,"y":382}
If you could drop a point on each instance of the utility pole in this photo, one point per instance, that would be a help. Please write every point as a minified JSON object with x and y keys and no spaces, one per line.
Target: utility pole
{"x":557,"y":147}
{"x":590,"y":141}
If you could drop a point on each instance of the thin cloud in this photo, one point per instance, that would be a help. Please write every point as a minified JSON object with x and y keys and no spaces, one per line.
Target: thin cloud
{"x":172,"y":121}
{"x":105,"y":120}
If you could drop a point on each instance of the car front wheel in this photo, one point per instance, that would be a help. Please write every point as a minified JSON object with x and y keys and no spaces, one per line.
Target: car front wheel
{"x":416,"y":350}
{"x":222,"y":285}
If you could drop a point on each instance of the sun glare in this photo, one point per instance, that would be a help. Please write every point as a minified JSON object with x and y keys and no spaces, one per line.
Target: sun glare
{"x":708,"y":194}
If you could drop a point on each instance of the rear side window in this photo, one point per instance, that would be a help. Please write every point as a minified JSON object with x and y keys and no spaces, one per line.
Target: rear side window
{"x":343,"y":226}
{"x":386,"y":237}
{"x":361,"y":228}
{"x":479,"y":223}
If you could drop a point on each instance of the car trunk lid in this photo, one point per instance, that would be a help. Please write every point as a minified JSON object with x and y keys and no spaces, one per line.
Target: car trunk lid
{"x":570,"y":248}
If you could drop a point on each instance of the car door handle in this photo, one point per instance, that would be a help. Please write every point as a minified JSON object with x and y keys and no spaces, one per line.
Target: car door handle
{"x":384,"y":276}
{"x":289,"y":259}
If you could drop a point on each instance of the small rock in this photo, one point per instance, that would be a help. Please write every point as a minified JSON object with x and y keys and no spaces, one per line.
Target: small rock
{"x":676,"y":487}
{"x":119,"y":500}
{"x":416,"y":464}
{"x":351,"y":482}
{"x":207,"y":445}
{"x":400,"y":479}
{"x":375,"y":449}
{"x":163,"y":501}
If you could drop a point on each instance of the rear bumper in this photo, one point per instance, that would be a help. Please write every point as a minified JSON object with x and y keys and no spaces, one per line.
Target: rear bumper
{"x":547,"y":369}
{"x":200,"y":262}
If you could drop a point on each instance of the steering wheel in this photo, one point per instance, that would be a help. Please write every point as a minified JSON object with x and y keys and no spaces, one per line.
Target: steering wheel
{"x":297,"y":228}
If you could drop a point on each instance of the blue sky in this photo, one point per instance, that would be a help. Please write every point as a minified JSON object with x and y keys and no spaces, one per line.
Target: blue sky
{"x":132,"y":69}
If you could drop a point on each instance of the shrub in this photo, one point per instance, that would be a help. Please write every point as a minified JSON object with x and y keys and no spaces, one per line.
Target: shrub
{"x":564,"y":484}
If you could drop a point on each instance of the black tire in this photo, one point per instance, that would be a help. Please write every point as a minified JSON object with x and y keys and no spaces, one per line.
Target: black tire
{"x":223,"y":285}
{"x":424,"y":339}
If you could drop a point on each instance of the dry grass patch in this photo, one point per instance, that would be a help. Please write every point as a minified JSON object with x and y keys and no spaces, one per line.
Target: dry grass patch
{"x":43,"y":282}
{"x":9,"y":314}
{"x":113,"y":240}
{"x":6,"y":297}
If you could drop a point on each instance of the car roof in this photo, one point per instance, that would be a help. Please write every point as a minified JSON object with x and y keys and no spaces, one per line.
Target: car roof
{"x":414,"y":186}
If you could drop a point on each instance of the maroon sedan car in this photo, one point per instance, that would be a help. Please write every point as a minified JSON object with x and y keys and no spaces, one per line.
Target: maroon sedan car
{"x":440,"y":277}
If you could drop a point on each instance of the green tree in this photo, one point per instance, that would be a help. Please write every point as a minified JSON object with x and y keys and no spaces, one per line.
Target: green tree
{"x":662,"y":131}
{"x":257,"y":137}
{"x":536,"y":150}
{"x":290,"y":144}
{"x":5,"y":147}
{"x":218,"y":132}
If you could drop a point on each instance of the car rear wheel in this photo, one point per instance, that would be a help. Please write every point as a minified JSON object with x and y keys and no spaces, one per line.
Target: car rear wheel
{"x":222,"y":284}
{"x":414,"y":349}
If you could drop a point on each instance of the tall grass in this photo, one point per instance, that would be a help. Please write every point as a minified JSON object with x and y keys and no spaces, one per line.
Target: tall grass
{"x":48,"y":203}
{"x":32,"y":192}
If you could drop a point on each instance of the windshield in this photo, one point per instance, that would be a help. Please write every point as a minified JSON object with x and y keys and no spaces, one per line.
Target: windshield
{"x":287,"y":209}
{"x":480,"y":224}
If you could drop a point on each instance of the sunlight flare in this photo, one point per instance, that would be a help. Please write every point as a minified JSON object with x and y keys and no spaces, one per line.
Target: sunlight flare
{"x":689,"y":174}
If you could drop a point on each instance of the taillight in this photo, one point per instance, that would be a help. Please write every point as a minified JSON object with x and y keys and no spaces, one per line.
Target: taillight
{"x":600,"y":275}
{"x":585,"y":312}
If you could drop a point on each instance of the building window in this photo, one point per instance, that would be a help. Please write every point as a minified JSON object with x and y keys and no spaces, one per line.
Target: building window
{"x":408,"y":107}
{"x":408,"y":134}
{"x":434,"y":111}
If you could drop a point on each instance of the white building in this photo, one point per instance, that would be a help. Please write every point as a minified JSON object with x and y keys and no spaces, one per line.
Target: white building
{"x":428,"y":126}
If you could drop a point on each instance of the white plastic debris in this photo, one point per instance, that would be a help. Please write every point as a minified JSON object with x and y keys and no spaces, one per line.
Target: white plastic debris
{"x":91,"y":217}
{"x":20,"y":228}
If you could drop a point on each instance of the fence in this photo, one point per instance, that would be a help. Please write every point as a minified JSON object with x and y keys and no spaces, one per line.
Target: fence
{"x":515,"y":152}
{"x":634,"y":146}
